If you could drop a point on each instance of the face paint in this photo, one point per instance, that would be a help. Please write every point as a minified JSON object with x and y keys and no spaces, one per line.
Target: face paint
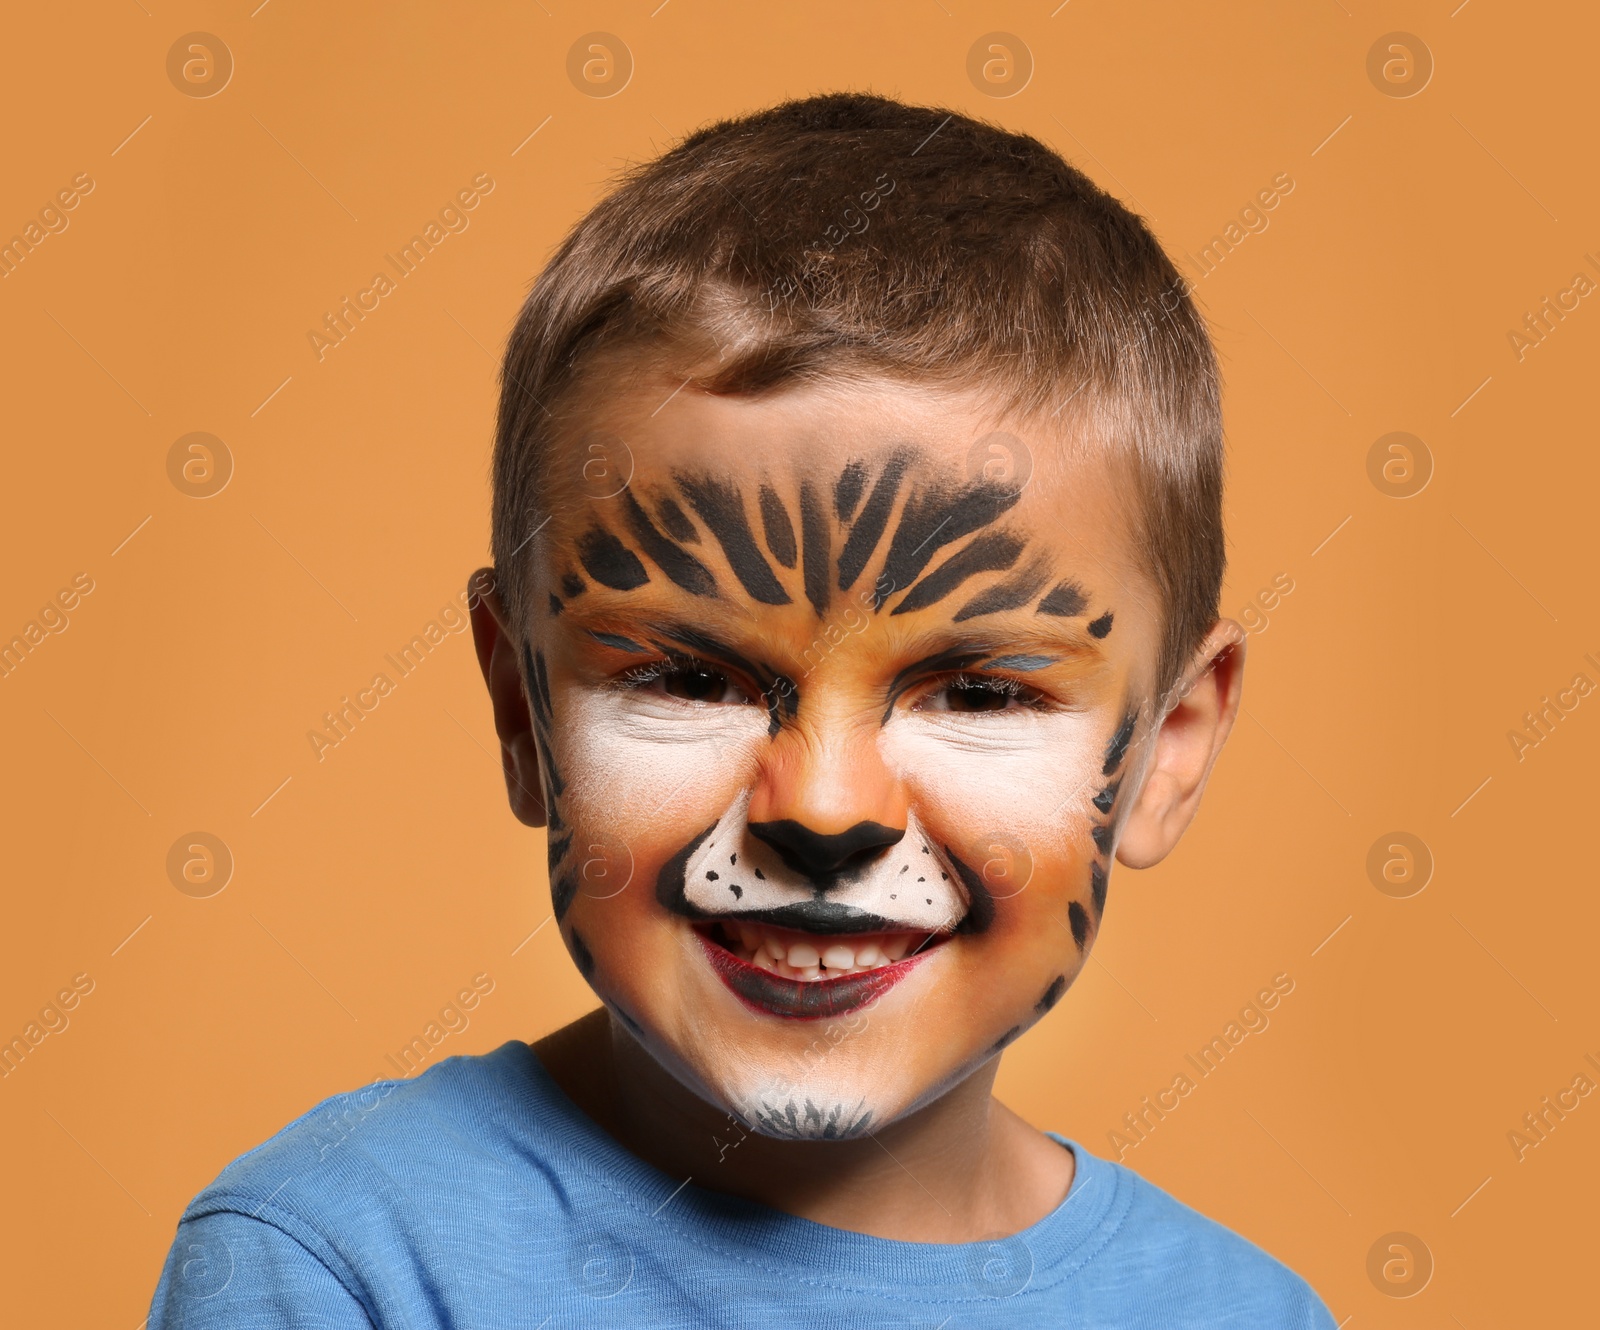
{"x":813,"y":814}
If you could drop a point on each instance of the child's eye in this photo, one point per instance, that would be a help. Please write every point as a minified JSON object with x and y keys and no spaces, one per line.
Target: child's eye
{"x":691,"y":680}
{"x":973,"y":693}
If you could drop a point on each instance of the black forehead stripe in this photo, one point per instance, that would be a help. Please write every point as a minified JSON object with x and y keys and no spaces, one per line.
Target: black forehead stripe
{"x":869,"y":527}
{"x":814,"y":548}
{"x":931,"y":521}
{"x":1066,"y":600}
{"x":777,"y":527}
{"x":620,"y":642}
{"x":1022,"y":664}
{"x":676,"y":521}
{"x":609,"y":561}
{"x":1101,"y":626}
{"x":992,"y":552}
{"x":722,"y":509}
{"x":952,"y":658}
{"x":847,"y":490}
{"x":572,"y":585}
{"x":1117,"y":749}
{"x":1011,"y":594}
{"x":676,"y":562}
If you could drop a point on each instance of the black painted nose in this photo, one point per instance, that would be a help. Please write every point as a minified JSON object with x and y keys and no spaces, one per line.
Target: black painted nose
{"x":824,"y":859}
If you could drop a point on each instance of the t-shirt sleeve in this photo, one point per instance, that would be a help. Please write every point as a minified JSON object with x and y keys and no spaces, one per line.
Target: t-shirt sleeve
{"x":231,"y":1270}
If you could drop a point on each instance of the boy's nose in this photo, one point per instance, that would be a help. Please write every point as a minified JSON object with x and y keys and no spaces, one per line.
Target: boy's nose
{"x":822,"y":857}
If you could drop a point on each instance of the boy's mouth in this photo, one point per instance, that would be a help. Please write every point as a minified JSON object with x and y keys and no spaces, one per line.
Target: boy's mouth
{"x":806,"y":976}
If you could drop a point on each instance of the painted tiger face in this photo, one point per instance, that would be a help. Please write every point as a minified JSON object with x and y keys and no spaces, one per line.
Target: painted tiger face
{"x":837,"y":703}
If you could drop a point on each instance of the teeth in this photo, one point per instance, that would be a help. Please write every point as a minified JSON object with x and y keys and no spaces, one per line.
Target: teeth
{"x":807,"y":959}
{"x":839,"y":957}
{"x":801,"y":955}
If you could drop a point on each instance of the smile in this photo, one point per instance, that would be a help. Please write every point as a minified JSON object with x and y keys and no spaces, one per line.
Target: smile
{"x":800,"y":976}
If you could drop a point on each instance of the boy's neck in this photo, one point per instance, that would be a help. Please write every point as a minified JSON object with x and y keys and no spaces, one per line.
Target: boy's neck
{"x":961,"y":1169}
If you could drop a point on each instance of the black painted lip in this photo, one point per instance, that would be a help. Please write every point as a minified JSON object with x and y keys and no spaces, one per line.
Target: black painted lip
{"x":802,"y":999}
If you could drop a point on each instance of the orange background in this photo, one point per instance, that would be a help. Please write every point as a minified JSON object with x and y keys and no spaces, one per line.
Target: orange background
{"x":375,"y":883}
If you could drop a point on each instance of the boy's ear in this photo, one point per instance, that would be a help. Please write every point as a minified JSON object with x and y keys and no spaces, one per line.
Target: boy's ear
{"x":498,"y":652}
{"x":1186,"y":744}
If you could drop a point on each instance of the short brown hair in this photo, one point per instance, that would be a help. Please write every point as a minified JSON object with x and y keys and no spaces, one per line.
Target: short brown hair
{"x":854,"y":233}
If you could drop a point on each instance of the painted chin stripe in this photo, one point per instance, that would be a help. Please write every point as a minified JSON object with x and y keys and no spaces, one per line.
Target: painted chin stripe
{"x":814,"y":548}
{"x":992,"y":552}
{"x":609,"y":561}
{"x":1011,"y":594}
{"x":722,"y":510}
{"x":1065,"y":601}
{"x":677,"y":563}
{"x":869,"y":527}
{"x":777,"y":527}
{"x":1051,"y":995}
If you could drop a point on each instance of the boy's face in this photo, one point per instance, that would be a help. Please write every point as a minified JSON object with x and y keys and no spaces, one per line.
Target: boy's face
{"x":839,"y":702}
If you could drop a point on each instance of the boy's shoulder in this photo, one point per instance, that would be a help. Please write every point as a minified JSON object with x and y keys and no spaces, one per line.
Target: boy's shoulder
{"x":1159,"y":1237}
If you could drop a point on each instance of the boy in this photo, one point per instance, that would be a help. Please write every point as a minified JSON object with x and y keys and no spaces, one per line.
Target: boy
{"x":858,"y":544}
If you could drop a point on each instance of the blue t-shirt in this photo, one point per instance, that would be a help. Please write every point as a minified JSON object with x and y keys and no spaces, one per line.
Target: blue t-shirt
{"x":480,"y":1195}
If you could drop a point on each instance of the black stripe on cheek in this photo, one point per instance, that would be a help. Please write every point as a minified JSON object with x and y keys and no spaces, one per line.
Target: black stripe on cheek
{"x":609,"y":561}
{"x":868,"y":530}
{"x":847,"y":490}
{"x":678,"y":564}
{"x":531,"y":683}
{"x":557,"y":848}
{"x":1117,"y":749}
{"x":1066,"y":600}
{"x":990,"y":553}
{"x":777,"y":527}
{"x":1101,"y":626}
{"x":1011,"y":594}
{"x":1079,"y":919}
{"x":562,"y":890}
{"x":555,"y":604}
{"x":721,"y":508}
{"x":1102,"y":836}
{"x":676,"y":521}
{"x":814,"y":548}
{"x":1106,"y":797}
{"x":582,"y":956}
{"x":930,"y":522}
{"x":1097,"y":888}
{"x":1052,"y":995}
{"x":544,"y":684}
